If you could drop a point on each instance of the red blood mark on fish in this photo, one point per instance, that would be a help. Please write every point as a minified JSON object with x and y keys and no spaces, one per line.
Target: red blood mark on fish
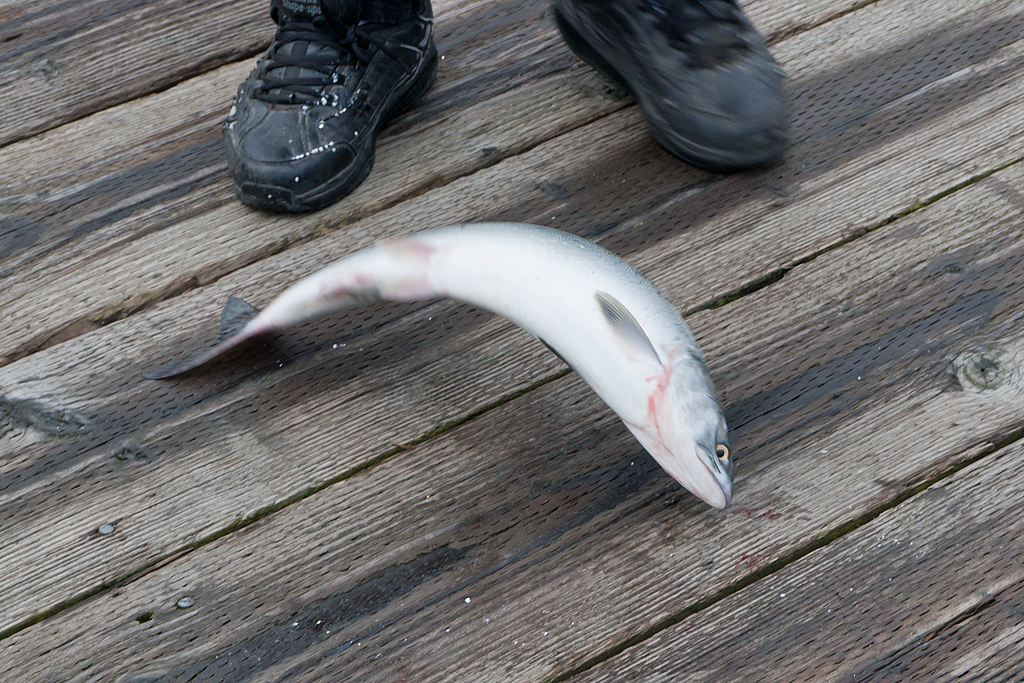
{"x":547,"y":282}
{"x":409,"y":247}
{"x":657,"y":397}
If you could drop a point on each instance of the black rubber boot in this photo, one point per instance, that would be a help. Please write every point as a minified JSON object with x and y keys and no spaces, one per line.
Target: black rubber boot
{"x":710,"y":90}
{"x":303,"y":128}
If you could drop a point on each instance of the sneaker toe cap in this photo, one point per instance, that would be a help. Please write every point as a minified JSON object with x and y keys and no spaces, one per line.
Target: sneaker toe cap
{"x":275,"y":152}
{"x":275,"y":137}
{"x":734,"y":117}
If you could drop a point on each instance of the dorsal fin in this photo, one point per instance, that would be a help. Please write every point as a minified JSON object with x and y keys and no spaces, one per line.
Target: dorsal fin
{"x":625,"y":329}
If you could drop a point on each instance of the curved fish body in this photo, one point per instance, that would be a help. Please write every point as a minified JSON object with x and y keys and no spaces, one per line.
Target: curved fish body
{"x":595,"y":311}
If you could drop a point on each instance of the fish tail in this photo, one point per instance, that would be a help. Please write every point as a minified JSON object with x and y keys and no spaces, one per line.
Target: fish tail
{"x":394,"y":270}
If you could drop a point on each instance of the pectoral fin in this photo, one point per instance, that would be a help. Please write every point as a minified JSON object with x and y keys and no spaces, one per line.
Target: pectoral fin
{"x":626,"y":330}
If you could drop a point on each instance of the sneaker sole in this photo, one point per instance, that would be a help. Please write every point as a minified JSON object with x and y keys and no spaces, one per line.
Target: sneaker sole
{"x":687,"y":150}
{"x":277,"y":199}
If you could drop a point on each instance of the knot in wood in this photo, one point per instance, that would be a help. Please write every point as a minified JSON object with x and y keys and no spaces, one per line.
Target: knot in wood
{"x":983,"y":369}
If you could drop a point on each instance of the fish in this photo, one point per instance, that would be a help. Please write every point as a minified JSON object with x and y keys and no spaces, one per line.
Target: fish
{"x":596,"y":312}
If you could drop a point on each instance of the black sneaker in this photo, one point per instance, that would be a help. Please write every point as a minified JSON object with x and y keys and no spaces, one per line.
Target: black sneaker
{"x":302,"y":131}
{"x":709,"y":88}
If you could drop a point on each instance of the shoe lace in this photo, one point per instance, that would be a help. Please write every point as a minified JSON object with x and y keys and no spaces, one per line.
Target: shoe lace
{"x":707,"y":29}
{"x":314,"y":69}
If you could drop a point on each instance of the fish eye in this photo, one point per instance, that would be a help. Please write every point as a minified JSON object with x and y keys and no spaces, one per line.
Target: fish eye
{"x":722,"y":451}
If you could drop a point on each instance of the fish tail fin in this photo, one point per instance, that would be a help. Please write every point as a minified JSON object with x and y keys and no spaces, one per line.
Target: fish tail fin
{"x":395,"y":270}
{"x":235,"y":329}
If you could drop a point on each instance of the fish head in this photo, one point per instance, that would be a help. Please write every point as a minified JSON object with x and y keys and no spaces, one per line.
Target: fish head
{"x":685,"y":430}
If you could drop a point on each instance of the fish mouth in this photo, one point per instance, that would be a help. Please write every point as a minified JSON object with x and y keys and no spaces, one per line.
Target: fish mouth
{"x":726,"y":498}
{"x":693,"y":472}
{"x":701,"y":481}
{"x":723,"y":484}
{"x":718,"y":494}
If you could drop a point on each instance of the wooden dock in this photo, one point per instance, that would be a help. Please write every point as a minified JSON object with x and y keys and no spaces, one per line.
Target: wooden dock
{"x":423,"y":493}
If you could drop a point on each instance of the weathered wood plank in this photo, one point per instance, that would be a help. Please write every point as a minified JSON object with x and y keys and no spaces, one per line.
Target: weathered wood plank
{"x":73,"y":196}
{"x":66,"y":59}
{"x":69,"y":59}
{"x":546,"y":514}
{"x":74,"y":218}
{"x":985,"y":645}
{"x":133,"y":136}
{"x":137,"y":442}
{"x":86,"y":189}
{"x":145,"y":258}
{"x":930,"y":591}
{"x":150,"y":143}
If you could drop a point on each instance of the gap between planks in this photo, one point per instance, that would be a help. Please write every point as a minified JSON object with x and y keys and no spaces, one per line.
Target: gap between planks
{"x":719,"y":302}
{"x":101,"y":76}
{"x":968,"y":458}
{"x":779,"y":273}
{"x":633,"y":660}
{"x":964,"y":460}
{"x":773,"y":17}
{"x":502,"y":400}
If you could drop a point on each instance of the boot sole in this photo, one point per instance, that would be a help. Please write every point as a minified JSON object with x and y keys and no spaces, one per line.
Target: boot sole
{"x":277,"y":199}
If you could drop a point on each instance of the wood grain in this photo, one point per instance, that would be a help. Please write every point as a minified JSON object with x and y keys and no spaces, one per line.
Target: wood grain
{"x":544,"y":513}
{"x":167,"y":143}
{"x":65,"y":59}
{"x":130,"y":431}
{"x":865,"y":106}
{"x":69,"y":59}
{"x":166,"y":178}
{"x":980,"y":644}
{"x":930,"y":591}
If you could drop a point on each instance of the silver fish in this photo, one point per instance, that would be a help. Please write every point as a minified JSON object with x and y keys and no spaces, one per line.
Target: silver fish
{"x":596,"y":312}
